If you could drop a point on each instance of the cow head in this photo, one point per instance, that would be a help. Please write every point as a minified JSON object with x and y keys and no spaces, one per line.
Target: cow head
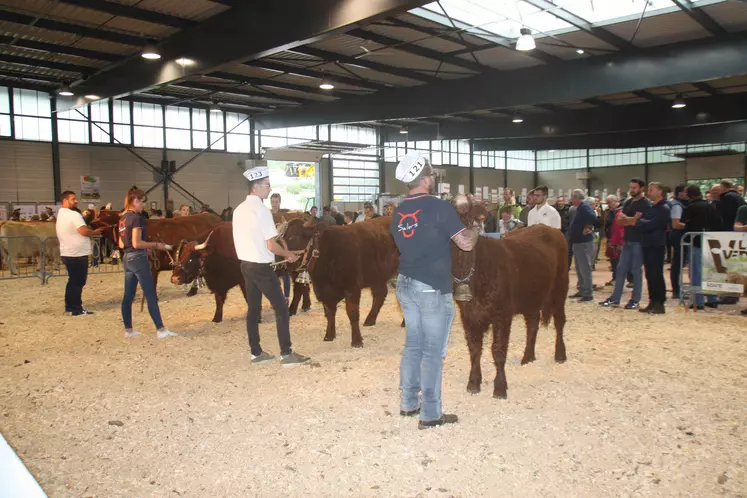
{"x":303,"y":234}
{"x":471,"y":211}
{"x":189,"y":261}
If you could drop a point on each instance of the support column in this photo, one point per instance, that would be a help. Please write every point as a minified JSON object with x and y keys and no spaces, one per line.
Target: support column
{"x":588,"y":174}
{"x":505,"y":169}
{"x":252,"y":133}
{"x":55,"y":152}
{"x":382,"y":164}
{"x":471,"y":166}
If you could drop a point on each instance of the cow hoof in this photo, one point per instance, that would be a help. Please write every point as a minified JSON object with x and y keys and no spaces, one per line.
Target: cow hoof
{"x":369,"y":324}
{"x":357,"y":344}
{"x":526,"y":360}
{"x":329,"y":338}
{"x":192,"y":292}
{"x":217,"y":320}
{"x":473,"y":389}
{"x":291,"y":312}
{"x":500,"y":395}
{"x":306,"y":310}
{"x":560,"y":360}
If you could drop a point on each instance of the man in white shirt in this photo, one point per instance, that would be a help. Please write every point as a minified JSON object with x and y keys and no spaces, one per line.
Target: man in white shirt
{"x":254,"y":236}
{"x":543,"y":213}
{"x":75,"y":247}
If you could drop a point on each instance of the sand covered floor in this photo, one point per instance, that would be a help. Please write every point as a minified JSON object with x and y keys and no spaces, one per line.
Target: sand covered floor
{"x":645,"y":405}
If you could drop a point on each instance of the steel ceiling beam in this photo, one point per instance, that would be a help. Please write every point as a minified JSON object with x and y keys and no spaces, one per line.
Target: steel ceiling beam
{"x":369,"y":64}
{"x":272,"y":82}
{"x":705,"y":134}
{"x":698,"y":60}
{"x":246,"y":32}
{"x":61,"y":66}
{"x":240,"y":91}
{"x":54,"y":48}
{"x":582,"y":24}
{"x":318,"y":74}
{"x":119,"y":9}
{"x":419,"y":51}
{"x":620,"y":119}
{"x":697,"y":15}
{"x":76,"y":29}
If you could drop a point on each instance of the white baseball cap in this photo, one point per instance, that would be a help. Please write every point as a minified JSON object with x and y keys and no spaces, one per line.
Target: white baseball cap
{"x":410,"y":166}
{"x":257,"y":173}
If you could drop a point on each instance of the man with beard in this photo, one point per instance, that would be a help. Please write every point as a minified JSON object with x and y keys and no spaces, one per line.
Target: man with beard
{"x":631,"y":258}
{"x":423,"y":227}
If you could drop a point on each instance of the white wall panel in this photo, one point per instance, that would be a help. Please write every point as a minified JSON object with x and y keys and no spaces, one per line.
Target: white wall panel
{"x":26,"y":172}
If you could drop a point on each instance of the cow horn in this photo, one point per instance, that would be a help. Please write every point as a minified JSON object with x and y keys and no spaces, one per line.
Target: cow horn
{"x":200,"y":247}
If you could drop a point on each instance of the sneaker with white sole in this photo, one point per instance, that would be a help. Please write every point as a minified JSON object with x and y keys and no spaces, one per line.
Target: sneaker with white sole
{"x":163,"y":334}
{"x":294,"y":359}
{"x":131,"y":333}
{"x":263,"y":357}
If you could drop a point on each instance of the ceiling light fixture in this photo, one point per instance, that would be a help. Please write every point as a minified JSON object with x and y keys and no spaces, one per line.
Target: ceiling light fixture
{"x":326,"y":84}
{"x":404,"y":130}
{"x":679,"y":102}
{"x":150,"y":52}
{"x":517,"y":119}
{"x":525,"y":42}
{"x":215,"y":108}
{"x":580,"y":51}
{"x":66,"y":91}
{"x":184,"y":62}
{"x":92,"y":97}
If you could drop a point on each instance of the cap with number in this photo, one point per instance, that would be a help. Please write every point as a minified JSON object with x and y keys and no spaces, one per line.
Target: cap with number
{"x":257,"y":173}
{"x":410,"y":167}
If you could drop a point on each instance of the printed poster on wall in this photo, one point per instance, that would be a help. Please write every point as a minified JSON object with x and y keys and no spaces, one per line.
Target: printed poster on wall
{"x":27,"y":210}
{"x":299,"y":186}
{"x":724,"y":262}
{"x":486,"y":193}
{"x":4,"y":212}
{"x":444,"y":188}
{"x":478,"y":194}
{"x":42,"y":208}
{"x":90,"y":189}
{"x":461,"y":189}
{"x":494,"y":196}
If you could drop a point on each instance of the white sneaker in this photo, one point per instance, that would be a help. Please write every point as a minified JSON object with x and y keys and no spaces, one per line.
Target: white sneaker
{"x":132,"y":333}
{"x":163,"y":334}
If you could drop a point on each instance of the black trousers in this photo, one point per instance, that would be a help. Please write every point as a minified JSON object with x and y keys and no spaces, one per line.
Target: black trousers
{"x":653,"y":265}
{"x":77,"y":274}
{"x":261,"y":279}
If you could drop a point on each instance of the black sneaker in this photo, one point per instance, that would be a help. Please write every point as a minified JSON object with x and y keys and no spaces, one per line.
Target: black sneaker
{"x":83,"y":311}
{"x":608,"y":303}
{"x":586,"y":299}
{"x":632,"y":305}
{"x":658,"y":309}
{"x":574,"y":296}
{"x":411,"y":413}
{"x":445,"y":419}
{"x":293,"y":360}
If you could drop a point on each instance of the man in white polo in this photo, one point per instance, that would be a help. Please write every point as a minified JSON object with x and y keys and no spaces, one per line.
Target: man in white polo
{"x":75,"y":247}
{"x":543,"y":213}
{"x":254,"y":239}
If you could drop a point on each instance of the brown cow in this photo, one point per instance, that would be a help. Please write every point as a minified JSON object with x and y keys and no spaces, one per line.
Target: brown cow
{"x":343,"y":260}
{"x":525,"y":274}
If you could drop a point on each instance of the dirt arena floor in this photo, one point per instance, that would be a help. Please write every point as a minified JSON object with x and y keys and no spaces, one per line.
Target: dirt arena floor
{"x":645,"y":406}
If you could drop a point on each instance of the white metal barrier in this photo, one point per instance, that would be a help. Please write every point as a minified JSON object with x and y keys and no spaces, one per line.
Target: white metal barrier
{"x":34,"y":257}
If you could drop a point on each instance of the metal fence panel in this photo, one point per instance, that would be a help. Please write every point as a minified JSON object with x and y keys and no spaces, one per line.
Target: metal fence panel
{"x":103,"y":259}
{"x":21,"y":257}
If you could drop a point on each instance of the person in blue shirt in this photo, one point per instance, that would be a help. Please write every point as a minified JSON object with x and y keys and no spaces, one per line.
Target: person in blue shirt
{"x":423,"y":227}
{"x":678,"y":205}
{"x":653,"y":226}
{"x":581,"y":238}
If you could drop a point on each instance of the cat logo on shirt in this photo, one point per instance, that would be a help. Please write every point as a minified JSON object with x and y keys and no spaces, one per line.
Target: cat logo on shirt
{"x":408,"y":229}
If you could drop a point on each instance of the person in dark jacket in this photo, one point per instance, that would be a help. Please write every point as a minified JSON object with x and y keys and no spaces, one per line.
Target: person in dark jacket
{"x":653,"y":227}
{"x":699,"y":216}
{"x":581,"y":236}
{"x":631,"y":258}
{"x":524,"y":216}
{"x":678,"y":205}
{"x":562,"y":208}
{"x":729,"y":203}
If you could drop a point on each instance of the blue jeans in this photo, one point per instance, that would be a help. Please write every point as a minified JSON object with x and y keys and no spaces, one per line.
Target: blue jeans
{"x":696,"y":277}
{"x":137,"y":269}
{"x":428,"y":317}
{"x":631,"y":261}
{"x":584,"y":254}
{"x":286,"y":285}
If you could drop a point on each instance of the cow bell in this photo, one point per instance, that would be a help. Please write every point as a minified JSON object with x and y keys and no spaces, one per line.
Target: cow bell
{"x":463,"y":293}
{"x":303,"y":277}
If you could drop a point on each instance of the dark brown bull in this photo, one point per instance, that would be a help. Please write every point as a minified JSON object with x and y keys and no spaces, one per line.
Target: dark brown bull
{"x":525,"y":274}
{"x":215,"y":261}
{"x":343,"y":260}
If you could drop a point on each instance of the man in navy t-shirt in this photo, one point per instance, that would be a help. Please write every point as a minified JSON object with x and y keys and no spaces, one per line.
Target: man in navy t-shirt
{"x":423,"y":228}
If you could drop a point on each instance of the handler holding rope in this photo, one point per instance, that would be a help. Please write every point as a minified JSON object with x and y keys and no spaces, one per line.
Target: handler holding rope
{"x":254,"y":236}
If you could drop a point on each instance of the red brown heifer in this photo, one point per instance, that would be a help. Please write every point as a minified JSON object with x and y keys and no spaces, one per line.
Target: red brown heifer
{"x":343,"y":260}
{"x":525,"y":274}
